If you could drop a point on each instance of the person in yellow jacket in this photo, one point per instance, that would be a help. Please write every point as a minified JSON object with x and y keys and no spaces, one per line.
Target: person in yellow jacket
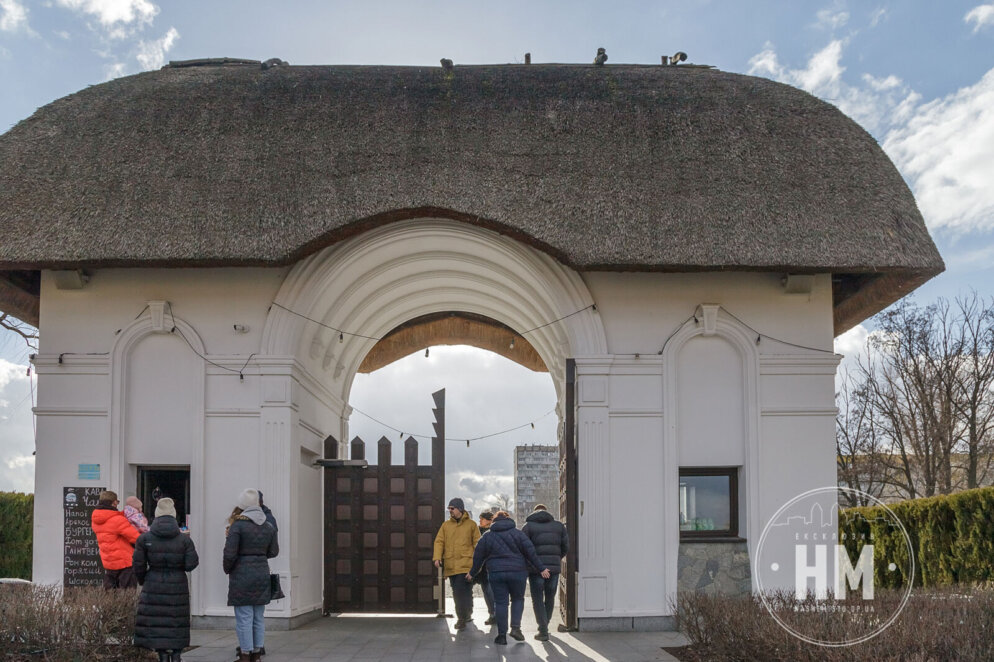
{"x":454,"y":544}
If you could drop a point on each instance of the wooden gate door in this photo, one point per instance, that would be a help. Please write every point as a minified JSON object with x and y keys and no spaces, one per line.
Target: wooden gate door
{"x":568,"y":511}
{"x":380,"y":525}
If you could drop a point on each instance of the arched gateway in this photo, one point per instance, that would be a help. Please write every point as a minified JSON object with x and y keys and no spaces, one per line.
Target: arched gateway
{"x":190,"y":240}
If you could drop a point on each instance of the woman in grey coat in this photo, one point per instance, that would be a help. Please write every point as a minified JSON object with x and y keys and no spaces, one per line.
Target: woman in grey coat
{"x":250,"y":543}
{"x":163,"y":555}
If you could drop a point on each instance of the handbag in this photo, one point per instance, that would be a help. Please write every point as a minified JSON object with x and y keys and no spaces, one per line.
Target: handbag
{"x":275,"y":589}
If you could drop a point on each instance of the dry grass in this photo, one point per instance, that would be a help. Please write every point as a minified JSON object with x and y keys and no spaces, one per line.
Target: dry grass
{"x":43,"y":623}
{"x":936,"y":625}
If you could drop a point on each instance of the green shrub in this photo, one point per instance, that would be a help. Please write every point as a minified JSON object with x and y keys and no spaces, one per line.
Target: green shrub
{"x":16,"y":519}
{"x":952,"y":538}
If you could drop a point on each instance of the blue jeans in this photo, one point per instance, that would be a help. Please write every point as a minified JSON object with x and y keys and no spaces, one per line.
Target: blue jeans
{"x":250,"y":627}
{"x":543,"y":598}
{"x":506,"y":584}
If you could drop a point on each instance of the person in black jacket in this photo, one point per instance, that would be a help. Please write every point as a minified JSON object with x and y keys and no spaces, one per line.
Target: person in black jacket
{"x":251,"y":541}
{"x":551,"y":544}
{"x":162,"y":557}
{"x":269,"y":513}
{"x":508,"y":554}
{"x":486,"y":519}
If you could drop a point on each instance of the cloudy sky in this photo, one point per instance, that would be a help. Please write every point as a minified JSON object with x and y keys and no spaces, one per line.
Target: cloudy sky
{"x":918,"y":75}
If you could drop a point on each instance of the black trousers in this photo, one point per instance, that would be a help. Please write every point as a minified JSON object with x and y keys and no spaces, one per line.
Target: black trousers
{"x":462,"y":595}
{"x":123,"y":578}
{"x":543,"y":598}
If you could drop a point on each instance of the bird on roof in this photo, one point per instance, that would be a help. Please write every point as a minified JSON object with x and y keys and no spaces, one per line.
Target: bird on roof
{"x":601,"y":57}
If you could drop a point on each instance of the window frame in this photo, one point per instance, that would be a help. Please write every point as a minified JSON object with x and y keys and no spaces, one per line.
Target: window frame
{"x":715,"y":535}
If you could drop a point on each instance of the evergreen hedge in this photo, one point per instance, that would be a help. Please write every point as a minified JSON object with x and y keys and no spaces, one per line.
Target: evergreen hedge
{"x":16,"y":519}
{"x":952,"y":538}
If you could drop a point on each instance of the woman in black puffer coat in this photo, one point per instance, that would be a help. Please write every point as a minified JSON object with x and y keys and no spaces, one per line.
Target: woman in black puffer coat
{"x":250,"y":543}
{"x":162,"y":557}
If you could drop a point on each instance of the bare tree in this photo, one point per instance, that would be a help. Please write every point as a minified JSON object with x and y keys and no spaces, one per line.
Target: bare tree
{"x":906,"y":371}
{"x":503,"y":502}
{"x":973,"y":386}
{"x":927,"y":382}
{"x":858,"y":446}
{"x":27,"y":332}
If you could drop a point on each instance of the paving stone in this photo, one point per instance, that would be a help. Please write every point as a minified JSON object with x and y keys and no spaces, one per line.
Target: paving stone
{"x":417,"y":639}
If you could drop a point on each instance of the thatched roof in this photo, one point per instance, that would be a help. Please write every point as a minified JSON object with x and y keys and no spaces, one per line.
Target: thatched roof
{"x":606,"y":168}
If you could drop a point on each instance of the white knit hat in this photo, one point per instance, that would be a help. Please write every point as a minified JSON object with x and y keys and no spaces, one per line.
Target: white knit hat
{"x":165,"y":507}
{"x":248,"y":498}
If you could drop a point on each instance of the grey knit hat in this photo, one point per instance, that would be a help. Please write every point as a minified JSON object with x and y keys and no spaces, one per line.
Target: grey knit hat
{"x":165,"y":507}
{"x":248,"y":498}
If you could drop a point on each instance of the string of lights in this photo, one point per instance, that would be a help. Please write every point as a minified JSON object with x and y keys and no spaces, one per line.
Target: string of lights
{"x":342,"y":333}
{"x":760,"y":335}
{"x":402,"y":433}
{"x":175,"y":329}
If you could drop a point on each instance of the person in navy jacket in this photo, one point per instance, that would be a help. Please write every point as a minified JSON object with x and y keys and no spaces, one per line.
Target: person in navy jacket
{"x":508,"y":554}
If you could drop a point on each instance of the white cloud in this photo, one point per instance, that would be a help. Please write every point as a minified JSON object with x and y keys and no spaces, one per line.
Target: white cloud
{"x":877,"y":15}
{"x":479,"y":491}
{"x":852,"y":346}
{"x":852,"y":342}
{"x":946,"y":149}
{"x":832,"y":19}
{"x":13,"y":16}
{"x":977,"y":258}
{"x":117,"y":17}
{"x":485,"y":393}
{"x":152,"y":54}
{"x":981,"y":16}
{"x":882,"y":84}
{"x":16,"y":431}
{"x":876,"y":105}
{"x":872,"y":105}
{"x":114,"y":70}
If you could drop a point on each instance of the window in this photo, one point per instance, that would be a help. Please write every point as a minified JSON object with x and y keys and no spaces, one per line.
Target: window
{"x":709,"y":502}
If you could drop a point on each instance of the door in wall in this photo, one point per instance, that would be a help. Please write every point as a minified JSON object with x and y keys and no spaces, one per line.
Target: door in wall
{"x":155,"y":482}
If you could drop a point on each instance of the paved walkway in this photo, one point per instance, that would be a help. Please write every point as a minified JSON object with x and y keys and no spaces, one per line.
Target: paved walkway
{"x":394,"y":638}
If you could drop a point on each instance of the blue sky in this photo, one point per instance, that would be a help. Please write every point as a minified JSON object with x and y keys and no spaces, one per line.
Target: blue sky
{"x":918,"y":75}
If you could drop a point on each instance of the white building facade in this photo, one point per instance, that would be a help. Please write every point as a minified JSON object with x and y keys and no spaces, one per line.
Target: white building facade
{"x":237,"y":369}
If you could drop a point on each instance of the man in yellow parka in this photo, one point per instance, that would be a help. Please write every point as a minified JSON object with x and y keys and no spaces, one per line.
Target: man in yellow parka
{"x":454,"y":545}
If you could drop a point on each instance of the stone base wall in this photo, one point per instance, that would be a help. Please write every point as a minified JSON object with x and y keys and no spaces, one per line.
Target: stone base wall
{"x":714,"y":567}
{"x":628,"y":624}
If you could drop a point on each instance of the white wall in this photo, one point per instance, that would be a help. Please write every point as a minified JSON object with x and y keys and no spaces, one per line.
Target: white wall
{"x":264,"y":430}
{"x":723,"y":388}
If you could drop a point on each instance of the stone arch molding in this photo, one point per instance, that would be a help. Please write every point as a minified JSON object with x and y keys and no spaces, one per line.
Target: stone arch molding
{"x":380,"y":279}
{"x":709,"y":321}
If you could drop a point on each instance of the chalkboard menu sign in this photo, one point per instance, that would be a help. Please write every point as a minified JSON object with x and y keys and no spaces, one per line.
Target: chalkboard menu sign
{"x":82,"y":565}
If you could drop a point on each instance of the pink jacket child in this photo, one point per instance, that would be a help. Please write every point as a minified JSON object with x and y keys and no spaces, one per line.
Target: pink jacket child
{"x":133,"y":511}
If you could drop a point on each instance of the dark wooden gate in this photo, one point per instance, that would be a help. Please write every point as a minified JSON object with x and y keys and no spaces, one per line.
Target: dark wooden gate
{"x":568,"y":488}
{"x":380,"y":525}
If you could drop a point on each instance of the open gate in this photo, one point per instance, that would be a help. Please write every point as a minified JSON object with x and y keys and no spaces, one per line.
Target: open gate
{"x":380,"y":525}
{"x":568,"y":511}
